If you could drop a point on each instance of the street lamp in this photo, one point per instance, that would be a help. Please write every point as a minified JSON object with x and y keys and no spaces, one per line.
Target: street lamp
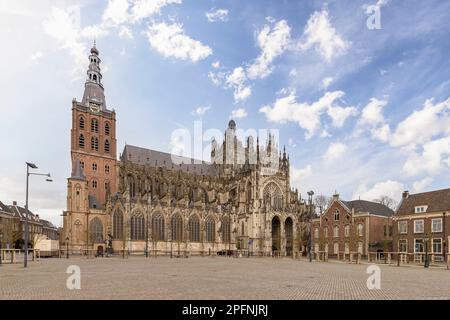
{"x":310,"y":196}
{"x":427,"y":262}
{"x":32,"y":166}
{"x":67,"y":248}
{"x":1,"y":253}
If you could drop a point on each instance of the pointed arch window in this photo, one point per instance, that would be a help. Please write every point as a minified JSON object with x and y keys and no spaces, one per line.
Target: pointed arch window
{"x":177,"y":228}
{"x":81,"y":141}
{"x":106,"y":146}
{"x":158,"y":227}
{"x":94,"y":125}
{"x":94,"y":143}
{"x":107,"y":129}
{"x":118,"y":224}
{"x":210,"y":229}
{"x":81,"y":123}
{"x":96,"y":231}
{"x":194,"y":229}
{"x":225,"y":229}
{"x":137,"y":226}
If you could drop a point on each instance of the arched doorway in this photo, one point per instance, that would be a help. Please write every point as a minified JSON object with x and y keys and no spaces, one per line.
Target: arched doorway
{"x":288,"y":228}
{"x":276,"y":243}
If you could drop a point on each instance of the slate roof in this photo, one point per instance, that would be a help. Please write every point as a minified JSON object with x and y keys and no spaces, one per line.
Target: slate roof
{"x":21,"y":213}
{"x":370,"y":207}
{"x":169,"y":161}
{"x":438,"y":200}
{"x":78,"y":171}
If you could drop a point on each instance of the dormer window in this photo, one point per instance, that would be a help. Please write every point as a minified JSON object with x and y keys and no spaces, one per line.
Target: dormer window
{"x":420,"y":209}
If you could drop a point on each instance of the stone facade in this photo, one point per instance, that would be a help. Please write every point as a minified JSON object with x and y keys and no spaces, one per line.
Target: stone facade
{"x":156,"y":202}
{"x":12,"y":226}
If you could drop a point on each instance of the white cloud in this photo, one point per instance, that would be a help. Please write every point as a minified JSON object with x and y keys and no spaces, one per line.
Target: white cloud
{"x":431,"y":160}
{"x":340,"y":114}
{"x":298,"y":175}
{"x":217,"y":15}
{"x":64,"y":27}
{"x":272,"y":42}
{"x":238,"y":113}
{"x":146,"y":8}
{"x":216,"y":78}
{"x":323,"y":36}
{"x":422,"y":125}
{"x":372,"y":113}
{"x":326,"y":82}
{"x":372,"y":119}
{"x":335,"y":152}
{"x":171,"y":41}
{"x":308,"y":116}
{"x":215,"y":64}
{"x":35,"y":57}
{"x":421,"y":185}
{"x":93,"y":32}
{"x":116,"y":12}
{"x":291,"y":143}
{"x":200,"y":111}
{"x":125,"y":33}
{"x":382,"y":133}
{"x":237,"y":80}
{"x":392,"y":189}
{"x":293,"y":72}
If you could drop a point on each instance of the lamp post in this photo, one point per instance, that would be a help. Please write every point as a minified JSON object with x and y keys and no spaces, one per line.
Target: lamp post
{"x":32,"y":166}
{"x":1,"y":253}
{"x":67,"y":248}
{"x":427,"y":262}
{"x":310,"y":195}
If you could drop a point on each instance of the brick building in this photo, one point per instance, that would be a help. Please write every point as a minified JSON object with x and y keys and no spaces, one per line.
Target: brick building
{"x":422,"y":223}
{"x":356,"y":226}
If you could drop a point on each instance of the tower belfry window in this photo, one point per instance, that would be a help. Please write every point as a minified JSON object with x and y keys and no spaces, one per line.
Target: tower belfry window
{"x":81,"y":141}
{"x":94,"y":143}
{"x":81,"y":123}
{"x":107,"y":129}
{"x":94,"y":125}
{"x":106,"y":146}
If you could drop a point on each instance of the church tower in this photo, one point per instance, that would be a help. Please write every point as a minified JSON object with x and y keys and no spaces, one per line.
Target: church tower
{"x":93,"y":137}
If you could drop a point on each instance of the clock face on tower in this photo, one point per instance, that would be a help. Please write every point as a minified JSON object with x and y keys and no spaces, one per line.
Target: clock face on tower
{"x":94,"y":107}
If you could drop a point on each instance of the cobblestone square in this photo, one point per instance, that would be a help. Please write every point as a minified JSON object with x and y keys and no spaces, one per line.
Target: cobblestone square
{"x":217,"y":278}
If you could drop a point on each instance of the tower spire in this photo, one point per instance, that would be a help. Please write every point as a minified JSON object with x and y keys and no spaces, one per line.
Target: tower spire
{"x":94,"y":95}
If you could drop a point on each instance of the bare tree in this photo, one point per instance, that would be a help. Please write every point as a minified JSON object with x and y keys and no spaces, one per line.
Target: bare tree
{"x":322,"y":202}
{"x":387,"y":201}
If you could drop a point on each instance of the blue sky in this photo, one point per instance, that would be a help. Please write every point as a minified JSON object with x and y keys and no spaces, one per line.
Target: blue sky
{"x":364,"y":112}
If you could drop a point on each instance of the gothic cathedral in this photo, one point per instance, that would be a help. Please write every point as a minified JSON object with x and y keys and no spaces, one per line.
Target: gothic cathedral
{"x":148,"y":203}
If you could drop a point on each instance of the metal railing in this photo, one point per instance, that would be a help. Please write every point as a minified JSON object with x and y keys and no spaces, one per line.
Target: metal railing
{"x":10,"y":256}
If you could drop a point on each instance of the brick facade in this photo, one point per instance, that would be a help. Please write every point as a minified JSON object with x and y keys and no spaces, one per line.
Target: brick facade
{"x":344,"y":228}
{"x":413,"y":224}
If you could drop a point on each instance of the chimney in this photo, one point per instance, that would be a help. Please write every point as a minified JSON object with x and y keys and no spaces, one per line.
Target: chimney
{"x":14,"y":203}
{"x":405,"y":194}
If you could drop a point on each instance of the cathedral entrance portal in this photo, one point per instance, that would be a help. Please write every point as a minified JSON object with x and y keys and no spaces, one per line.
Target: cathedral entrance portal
{"x":276,"y":233}
{"x":288,"y":226}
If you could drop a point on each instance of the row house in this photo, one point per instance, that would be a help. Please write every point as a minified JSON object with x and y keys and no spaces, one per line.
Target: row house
{"x":422,"y":224}
{"x":356,"y":226}
{"x":12,"y":226}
